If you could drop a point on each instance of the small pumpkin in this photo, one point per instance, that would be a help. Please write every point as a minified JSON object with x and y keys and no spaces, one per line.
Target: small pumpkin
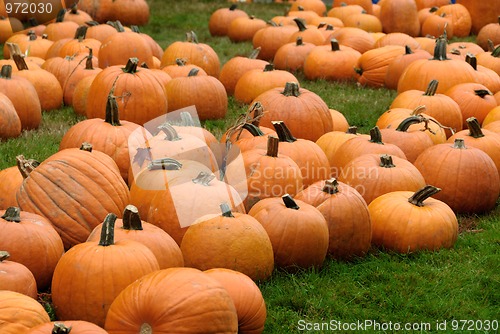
{"x":20,"y":312}
{"x":15,"y":276}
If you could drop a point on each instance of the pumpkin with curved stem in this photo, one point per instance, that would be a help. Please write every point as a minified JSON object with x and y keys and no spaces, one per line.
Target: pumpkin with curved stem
{"x":23,"y":227}
{"x":412,"y":143}
{"x":196,"y":53}
{"x":229,"y":240}
{"x":63,"y":67}
{"x":15,"y":276}
{"x":235,"y":67}
{"x":305,"y":113}
{"x":483,"y":139}
{"x":173,"y":300}
{"x":247,"y":298}
{"x":29,"y":44}
{"x":205,"y":92}
{"x":320,"y":62}
{"x":65,"y":327}
{"x":23,"y":96}
{"x":220,"y":19}
{"x":437,"y":105}
{"x":373,"y":175}
{"x":346,"y":214}
{"x":20,"y":312}
{"x":99,"y":31}
{"x":310,"y":158}
{"x":256,"y":82}
{"x":471,"y":183}
{"x":474,"y":100}
{"x":407,"y":222}
{"x":74,"y":189}
{"x":163,"y":246}
{"x":293,"y":226}
{"x":106,"y":263}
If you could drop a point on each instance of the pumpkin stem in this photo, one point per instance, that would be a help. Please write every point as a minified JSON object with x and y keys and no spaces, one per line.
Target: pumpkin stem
{"x":4,"y":255}
{"x":233,"y":7}
{"x":440,"y":49}
{"x":193,"y":72}
{"x":471,"y":60}
{"x":226,"y":210}
{"x":165,"y":164}
{"x":272,"y":146}
{"x":299,"y":41}
{"x":191,"y":37}
{"x":170,"y":132}
{"x":131,"y":218}
{"x":108,"y":230}
{"x":118,"y":26}
{"x":495,"y":51}
{"x":258,"y":112}
{"x":255,"y":53}
{"x":408,"y":50}
{"x":353,"y":130}
{"x":291,"y":89}
{"x":335,"y":44}
{"x":180,"y":61}
{"x":12,"y":214}
{"x":386,"y":161}
{"x":482,"y":92}
{"x":421,"y":195}
{"x":6,"y":72}
{"x":269,"y":67}
{"x":289,"y":202}
{"x":74,"y":9}
{"x":135,"y":29}
{"x":60,"y":15}
{"x":376,"y":135}
{"x":131,"y":66}
{"x":331,"y":186}
{"x":409,"y":121}
{"x":431,"y":88}
{"x":86,"y":147}
{"x":92,"y":23}
{"x":300,"y":23}
{"x":112,"y":114}
{"x":20,"y":62}
{"x":254,"y":130}
{"x":81,"y":32}
{"x":186,"y":119}
{"x":60,"y":328}
{"x":203,"y":179}
{"x":459,"y":143}
{"x":418,"y":110}
{"x":283,"y":132}
{"x":26,"y":166}
{"x":474,"y":127}
{"x":88,"y":62}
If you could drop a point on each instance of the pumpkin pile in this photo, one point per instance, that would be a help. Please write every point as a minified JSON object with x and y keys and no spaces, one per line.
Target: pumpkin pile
{"x":142,"y":200}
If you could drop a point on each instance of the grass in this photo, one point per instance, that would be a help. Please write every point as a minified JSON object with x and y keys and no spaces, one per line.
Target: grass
{"x":461,"y":283}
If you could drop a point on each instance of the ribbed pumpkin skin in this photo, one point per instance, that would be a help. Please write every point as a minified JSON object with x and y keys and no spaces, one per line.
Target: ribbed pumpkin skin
{"x":143,"y":95}
{"x":175,"y":300}
{"x":10,"y":181}
{"x":42,"y":238}
{"x":399,"y":16}
{"x":481,"y":12}
{"x":75,"y":190}
{"x":11,"y":123}
{"x":77,"y":327}
{"x":89,"y":276}
{"x":247,"y":298}
{"x":18,"y":312}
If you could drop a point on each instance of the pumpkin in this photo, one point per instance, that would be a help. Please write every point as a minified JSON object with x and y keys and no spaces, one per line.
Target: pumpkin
{"x":205,"y":92}
{"x":173,"y":300}
{"x":438,"y":25}
{"x":491,"y":32}
{"x":11,"y":123}
{"x":397,"y":38}
{"x":490,"y":59}
{"x":63,"y":327}
{"x":304,"y":112}
{"x":397,"y":66}
{"x":77,"y":15}
{"x":181,"y":69}
{"x":247,"y":298}
{"x":365,"y":4}
{"x":130,"y":12}
{"x":23,"y":96}
{"x":10,"y":181}
{"x":220,"y":19}
{"x":407,"y":222}
{"x":297,"y":230}
{"x":271,"y":38}
{"x":107,"y":264}
{"x":319,"y":62}
{"x":257,"y":81}
{"x":118,"y":48}
{"x":400,"y":16}
{"x":492,"y":116}
{"x":142,"y":95}
{"x":291,"y":56}
{"x":244,"y":28}
{"x":163,"y":246}
{"x":342,"y":12}
{"x":235,"y":67}
{"x":20,"y":312}
{"x":373,"y":175}
{"x":356,"y":38}
{"x":80,"y":187}
{"x":79,"y":99}
{"x":485,"y":76}
{"x":316,"y":6}
{"x":309,"y":34}
{"x":346,"y":214}
{"x":471,"y":183}
{"x":35,"y":46}
{"x":229,"y":240}
{"x":60,"y":29}
{"x":22,"y":227}
{"x":481,"y":13}
{"x":80,"y":44}
{"x":15,"y":276}
{"x":200,"y":54}
{"x":372,"y":67}
{"x":99,"y":31}
{"x":493,"y":126}
{"x":310,"y":158}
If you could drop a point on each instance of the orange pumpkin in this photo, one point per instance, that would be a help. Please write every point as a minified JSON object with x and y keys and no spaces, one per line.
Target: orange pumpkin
{"x":75,"y":326}
{"x":400,"y":16}
{"x":10,"y":181}
{"x":11,"y":123}
{"x":20,"y":312}
{"x":15,"y":276}
{"x":271,"y":38}
{"x":220,"y":19}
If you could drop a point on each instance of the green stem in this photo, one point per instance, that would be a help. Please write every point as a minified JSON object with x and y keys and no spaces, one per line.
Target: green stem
{"x":193,"y":72}
{"x":254,"y":130}
{"x":421,"y":195}
{"x":283,"y":132}
{"x":331,"y":186}
{"x":112,"y":114}
{"x":6,"y":72}
{"x":440,"y":50}
{"x":26,"y":166}
{"x":12,"y":214}
{"x":376,"y":135}
{"x":204,"y":179}
{"x":108,"y":230}
{"x":386,"y":161}
{"x":269,"y":67}
{"x":164,"y":164}
{"x":431,"y":88}
{"x":335,"y":44}
{"x":131,"y":218}
{"x":291,"y":89}
{"x":407,"y":122}
{"x":4,"y":255}
{"x":131,"y":66}
{"x":300,"y":24}
{"x":482,"y":92}
{"x":226,"y":210}
{"x":289,"y":202}
{"x":60,"y":328}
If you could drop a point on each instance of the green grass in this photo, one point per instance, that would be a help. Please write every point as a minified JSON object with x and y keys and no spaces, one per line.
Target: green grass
{"x":461,"y":283}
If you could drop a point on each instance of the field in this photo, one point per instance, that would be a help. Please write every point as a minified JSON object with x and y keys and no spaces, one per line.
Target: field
{"x":381,"y":292}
